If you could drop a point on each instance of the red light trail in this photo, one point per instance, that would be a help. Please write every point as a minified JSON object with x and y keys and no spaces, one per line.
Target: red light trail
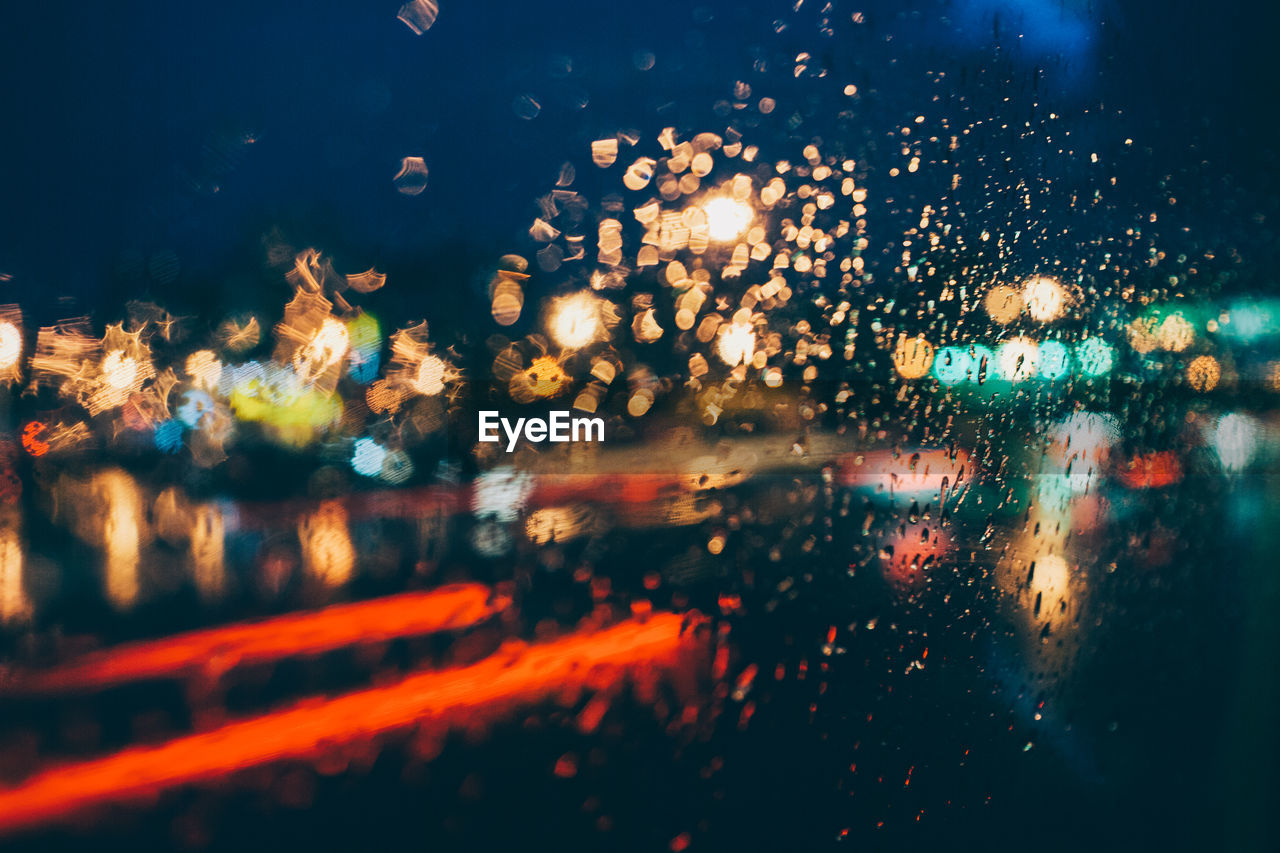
{"x":220,"y":649}
{"x":515,"y":674}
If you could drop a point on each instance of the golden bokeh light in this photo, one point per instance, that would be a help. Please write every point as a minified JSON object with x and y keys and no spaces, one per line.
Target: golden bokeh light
{"x":912,"y":357}
{"x":1203,"y":373}
{"x":204,"y":368}
{"x":1142,"y":335}
{"x":1175,"y":333}
{"x":1003,"y":304}
{"x":325,"y":350}
{"x":429,"y":379}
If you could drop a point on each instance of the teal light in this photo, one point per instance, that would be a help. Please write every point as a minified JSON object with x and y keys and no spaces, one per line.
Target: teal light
{"x":1251,"y":320}
{"x":1095,"y":356}
{"x":983,"y":362}
{"x":952,"y":365}
{"x":1054,"y":360}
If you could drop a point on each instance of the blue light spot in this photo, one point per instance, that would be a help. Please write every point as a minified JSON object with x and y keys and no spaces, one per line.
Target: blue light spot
{"x":169,"y":435}
{"x":368,"y":456}
{"x":195,"y":404}
{"x":364,"y":367}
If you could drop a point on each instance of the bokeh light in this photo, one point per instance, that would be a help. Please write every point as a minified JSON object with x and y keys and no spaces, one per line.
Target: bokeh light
{"x":1045,"y":298}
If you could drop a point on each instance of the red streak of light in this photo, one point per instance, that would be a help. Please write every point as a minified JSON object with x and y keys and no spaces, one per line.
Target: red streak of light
{"x":221,"y":649}
{"x":515,"y":674}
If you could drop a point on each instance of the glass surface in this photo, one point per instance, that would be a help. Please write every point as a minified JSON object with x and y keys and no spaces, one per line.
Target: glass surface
{"x":790,"y":425}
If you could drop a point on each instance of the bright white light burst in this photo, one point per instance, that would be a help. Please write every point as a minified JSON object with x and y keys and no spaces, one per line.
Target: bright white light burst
{"x":575,"y":320}
{"x":727,"y":219}
{"x":1045,"y":298}
{"x":10,"y":345}
{"x":737,"y":344}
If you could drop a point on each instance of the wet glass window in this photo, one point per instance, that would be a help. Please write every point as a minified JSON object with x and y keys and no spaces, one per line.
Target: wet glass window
{"x":780,"y":424}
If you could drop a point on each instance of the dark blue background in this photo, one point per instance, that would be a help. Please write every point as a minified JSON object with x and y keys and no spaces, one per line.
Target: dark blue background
{"x":122,"y":123}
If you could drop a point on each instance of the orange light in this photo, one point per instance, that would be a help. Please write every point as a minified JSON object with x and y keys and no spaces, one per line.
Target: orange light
{"x":31,"y":441}
{"x":1003,"y":304}
{"x":913,"y":357}
{"x":1203,"y":373}
{"x":1152,"y":471}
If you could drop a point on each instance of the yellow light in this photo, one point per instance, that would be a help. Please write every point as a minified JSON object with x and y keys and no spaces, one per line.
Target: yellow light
{"x":1045,"y":298}
{"x":727,"y":219}
{"x":575,"y":320}
{"x":1051,"y":579}
{"x":327,"y":551}
{"x":10,"y":345}
{"x":15,"y":605}
{"x":545,"y":377}
{"x":737,"y":344}
{"x":122,"y":524}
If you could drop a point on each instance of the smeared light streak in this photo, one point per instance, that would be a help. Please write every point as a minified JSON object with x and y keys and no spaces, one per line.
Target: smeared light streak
{"x":926,"y":472}
{"x":208,"y":551}
{"x":327,"y":551}
{"x":407,"y":614}
{"x":121,"y":519}
{"x":484,"y":691}
{"x":15,"y":605}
